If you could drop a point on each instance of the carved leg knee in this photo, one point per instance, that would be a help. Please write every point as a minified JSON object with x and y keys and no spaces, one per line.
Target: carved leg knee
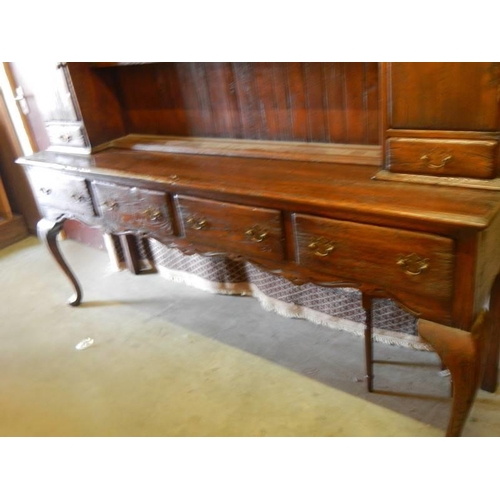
{"x":47,"y":232}
{"x":461,"y":352}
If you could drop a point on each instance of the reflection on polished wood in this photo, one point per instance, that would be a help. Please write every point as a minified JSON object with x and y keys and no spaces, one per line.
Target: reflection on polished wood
{"x":388,"y":183}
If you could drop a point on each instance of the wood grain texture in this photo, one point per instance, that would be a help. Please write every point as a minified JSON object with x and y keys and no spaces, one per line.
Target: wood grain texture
{"x":64,"y":192}
{"x":244,"y":148}
{"x":235,"y":228}
{"x":306,"y":102}
{"x":371,"y":254}
{"x":98,"y":103}
{"x":444,"y":96}
{"x":122,"y":207}
{"x":450,"y":158}
{"x":341,"y":191}
{"x":429,"y":242}
{"x":463,"y":354}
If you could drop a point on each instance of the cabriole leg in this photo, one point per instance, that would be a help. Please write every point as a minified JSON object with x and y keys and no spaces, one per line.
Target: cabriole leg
{"x":47,"y":232}
{"x":462,"y":353}
{"x":490,"y":378}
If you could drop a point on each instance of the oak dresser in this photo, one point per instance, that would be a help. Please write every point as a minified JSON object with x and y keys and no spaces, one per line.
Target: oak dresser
{"x":379,"y":176}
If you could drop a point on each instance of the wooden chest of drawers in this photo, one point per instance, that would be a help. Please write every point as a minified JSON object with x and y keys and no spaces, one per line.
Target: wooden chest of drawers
{"x":449,"y":158}
{"x":426,"y":256}
{"x":411,"y":266}
{"x":62,"y":193}
{"x":380,"y":177}
{"x":133,"y":208}
{"x":241,"y":229}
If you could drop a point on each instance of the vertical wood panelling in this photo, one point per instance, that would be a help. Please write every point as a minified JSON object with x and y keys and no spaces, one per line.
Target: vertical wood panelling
{"x":173,"y":101}
{"x":297,"y":102}
{"x":197,"y":112}
{"x":244,"y":78}
{"x":445,"y":88}
{"x":281,"y":96}
{"x":315,"y":102}
{"x":264,"y":84}
{"x":354,"y":85}
{"x":140,"y":99}
{"x":307,"y":102}
{"x":219,"y":80}
{"x":371,"y":108}
{"x":335,"y":98}
{"x":197,"y":73}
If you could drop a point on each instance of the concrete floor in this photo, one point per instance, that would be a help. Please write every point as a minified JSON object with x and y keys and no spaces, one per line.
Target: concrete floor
{"x":169,"y":360}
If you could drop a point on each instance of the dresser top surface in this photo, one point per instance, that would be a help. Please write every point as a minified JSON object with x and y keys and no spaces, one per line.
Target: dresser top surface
{"x":331,"y":189}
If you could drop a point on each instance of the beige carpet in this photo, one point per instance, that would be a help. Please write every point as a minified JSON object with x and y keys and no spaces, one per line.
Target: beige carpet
{"x":169,"y":360}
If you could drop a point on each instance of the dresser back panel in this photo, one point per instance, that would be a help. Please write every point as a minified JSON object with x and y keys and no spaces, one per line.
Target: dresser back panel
{"x":307,"y":102}
{"x":444,"y":96}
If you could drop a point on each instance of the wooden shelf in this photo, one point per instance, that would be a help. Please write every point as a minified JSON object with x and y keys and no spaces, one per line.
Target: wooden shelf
{"x":242,"y":148}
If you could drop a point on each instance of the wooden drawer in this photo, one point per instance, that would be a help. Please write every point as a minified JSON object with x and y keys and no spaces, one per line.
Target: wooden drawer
{"x":232,"y":228}
{"x":70,"y":135}
{"x":437,"y":157}
{"x":129,"y":208}
{"x":62,"y":192}
{"x":420,"y":267}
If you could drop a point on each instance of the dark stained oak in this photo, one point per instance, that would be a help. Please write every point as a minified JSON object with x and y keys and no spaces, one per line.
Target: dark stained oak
{"x":133,"y":208}
{"x":450,"y":157}
{"x":463,"y":354}
{"x":274,"y":101}
{"x":47,"y":232}
{"x":490,"y":369}
{"x":382,"y":177}
{"x":438,"y":95}
{"x":441,"y":119}
{"x":232,"y":227}
{"x":415,"y":267}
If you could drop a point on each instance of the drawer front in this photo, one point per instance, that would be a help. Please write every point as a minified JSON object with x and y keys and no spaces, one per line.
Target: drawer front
{"x":129,"y":208}
{"x":419,"y":266}
{"x":450,"y":158}
{"x":233,"y":228}
{"x":70,"y":135}
{"x":63,"y":192}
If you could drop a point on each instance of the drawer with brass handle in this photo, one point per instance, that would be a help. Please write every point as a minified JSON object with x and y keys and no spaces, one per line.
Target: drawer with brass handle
{"x":231,"y":227}
{"x":196,"y":222}
{"x":414,"y":264}
{"x":130,"y":208}
{"x":440,"y":157}
{"x":61,"y":192}
{"x":321,"y":246}
{"x":257,"y":234}
{"x":67,"y":135}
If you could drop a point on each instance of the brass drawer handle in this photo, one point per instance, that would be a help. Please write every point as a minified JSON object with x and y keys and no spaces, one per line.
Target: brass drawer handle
{"x":46,"y":191}
{"x":441,"y":157}
{"x":412,"y":264}
{"x":321,"y":246}
{"x":153,"y":214}
{"x":257,"y":234}
{"x":79,"y":198}
{"x":196,"y":223}
{"x":66,"y":138}
{"x":110,"y":206}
